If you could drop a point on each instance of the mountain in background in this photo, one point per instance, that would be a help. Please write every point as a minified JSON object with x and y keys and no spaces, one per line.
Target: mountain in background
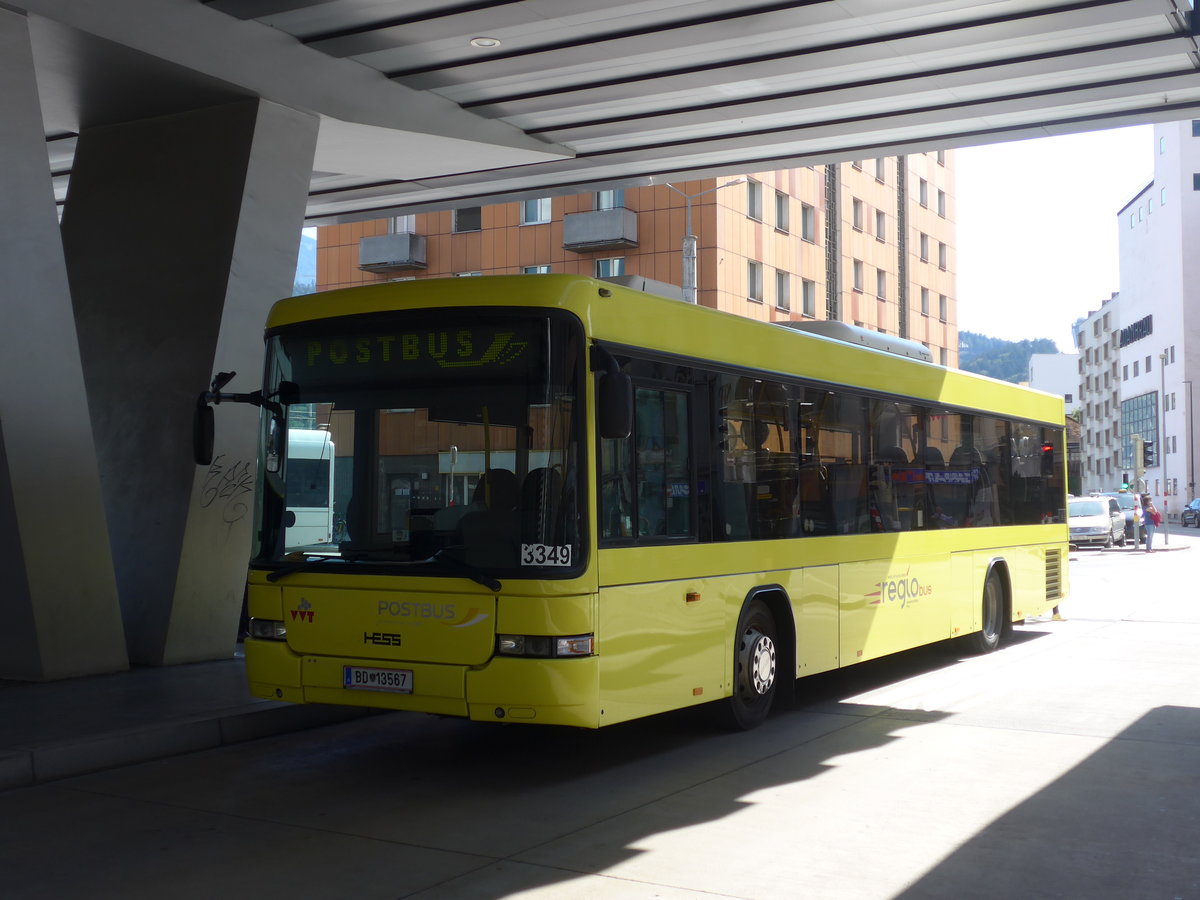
{"x":996,"y":358}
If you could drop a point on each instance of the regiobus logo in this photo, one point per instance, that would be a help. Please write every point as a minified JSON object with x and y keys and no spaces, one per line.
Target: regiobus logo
{"x":903,"y":589}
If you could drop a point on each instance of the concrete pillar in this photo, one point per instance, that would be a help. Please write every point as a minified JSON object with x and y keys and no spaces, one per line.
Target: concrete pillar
{"x":179,"y":234}
{"x":58,"y":600}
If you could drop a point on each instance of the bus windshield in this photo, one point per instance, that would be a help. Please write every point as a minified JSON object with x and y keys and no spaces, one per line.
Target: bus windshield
{"x":456,"y":441}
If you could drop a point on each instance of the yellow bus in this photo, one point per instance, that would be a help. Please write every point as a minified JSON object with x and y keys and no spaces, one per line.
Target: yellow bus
{"x":564,"y":501}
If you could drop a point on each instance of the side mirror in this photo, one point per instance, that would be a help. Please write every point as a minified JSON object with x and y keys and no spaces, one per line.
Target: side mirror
{"x":203,"y":432}
{"x":614,"y":396}
{"x":616,"y":405}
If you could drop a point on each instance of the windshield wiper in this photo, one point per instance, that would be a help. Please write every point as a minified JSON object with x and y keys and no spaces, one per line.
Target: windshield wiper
{"x":309,"y":562}
{"x":474,"y":573}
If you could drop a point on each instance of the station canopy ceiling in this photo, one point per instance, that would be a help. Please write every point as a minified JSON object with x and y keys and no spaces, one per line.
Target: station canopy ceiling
{"x":430,"y":105}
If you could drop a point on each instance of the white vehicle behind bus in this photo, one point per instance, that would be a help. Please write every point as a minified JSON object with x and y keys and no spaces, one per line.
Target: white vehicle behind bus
{"x":309,"y":488}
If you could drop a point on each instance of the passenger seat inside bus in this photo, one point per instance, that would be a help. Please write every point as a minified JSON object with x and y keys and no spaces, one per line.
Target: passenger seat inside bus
{"x":488,"y":531}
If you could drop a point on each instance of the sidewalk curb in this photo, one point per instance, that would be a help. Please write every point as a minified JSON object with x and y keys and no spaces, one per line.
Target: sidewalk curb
{"x":27,"y":766}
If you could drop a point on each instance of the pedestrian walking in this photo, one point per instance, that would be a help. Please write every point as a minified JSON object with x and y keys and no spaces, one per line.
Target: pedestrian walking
{"x":1151,"y":519}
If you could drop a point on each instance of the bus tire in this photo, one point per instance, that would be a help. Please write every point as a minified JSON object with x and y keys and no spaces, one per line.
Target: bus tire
{"x":755,"y":668}
{"x":992,"y":608}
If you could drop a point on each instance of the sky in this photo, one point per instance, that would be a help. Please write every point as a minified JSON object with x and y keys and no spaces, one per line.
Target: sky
{"x":1037,"y":229}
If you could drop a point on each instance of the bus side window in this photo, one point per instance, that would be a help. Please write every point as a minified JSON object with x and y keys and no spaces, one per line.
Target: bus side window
{"x":646,"y":484}
{"x":662,"y":463}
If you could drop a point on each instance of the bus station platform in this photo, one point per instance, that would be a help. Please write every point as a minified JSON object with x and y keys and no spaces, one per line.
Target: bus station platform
{"x":58,"y":729}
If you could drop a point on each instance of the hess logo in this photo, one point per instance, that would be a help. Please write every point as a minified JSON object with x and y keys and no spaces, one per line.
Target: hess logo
{"x":381,"y":638}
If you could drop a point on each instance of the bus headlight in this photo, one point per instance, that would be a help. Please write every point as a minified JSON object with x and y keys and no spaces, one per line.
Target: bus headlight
{"x":545,"y":647}
{"x":268,"y":630}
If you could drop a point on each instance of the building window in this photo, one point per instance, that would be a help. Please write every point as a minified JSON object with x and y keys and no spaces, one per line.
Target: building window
{"x":467,"y":274}
{"x":942,"y":255}
{"x":1196,"y":181}
{"x":941,"y":157}
{"x":612,"y":267}
{"x":1135,"y":369}
{"x":1162,"y":146}
{"x":856,"y":164}
{"x":880,"y":168}
{"x":857,"y":268}
{"x":923,"y":193}
{"x":941,"y":206}
{"x":1195,"y":127}
{"x":608,"y":199}
{"x":535,"y":212}
{"x":402,"y":224}
{"x":924,"y":301}
{"x":942,"y":356}
{"x":857,"y":214}
{"x":924,"y":243}
{"x":808,"y":223}
{"x":783,"y":290}
{"x":782,"y":219}
{"x":942,"y":307}
{"x":754,"y":280}
{"x":881,"y":284}
{"x":1162,"y":197}
{"x":1124,"y":373}
{"x":468,"y":219}
{"x":808,"y":297}
{"x":536,"y":270}
{"x":754,"y":207}
{"x":880,"y":225}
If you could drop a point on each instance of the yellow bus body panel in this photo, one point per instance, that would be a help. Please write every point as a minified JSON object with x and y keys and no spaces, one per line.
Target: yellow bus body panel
{"x":432,"y":622}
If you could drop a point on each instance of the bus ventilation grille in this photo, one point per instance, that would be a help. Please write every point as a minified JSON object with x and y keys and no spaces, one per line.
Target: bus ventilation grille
{"x":1053,"y":574}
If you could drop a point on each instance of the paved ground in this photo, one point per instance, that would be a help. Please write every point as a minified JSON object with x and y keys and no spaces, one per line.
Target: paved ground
{"x":1066,"y":765}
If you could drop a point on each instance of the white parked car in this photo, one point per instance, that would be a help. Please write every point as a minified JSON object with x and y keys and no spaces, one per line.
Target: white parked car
{"x":1095,"y":521}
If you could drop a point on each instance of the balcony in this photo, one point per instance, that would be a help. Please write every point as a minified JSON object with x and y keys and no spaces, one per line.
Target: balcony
{"x":600,"y":229}
{"x":392,"y":252}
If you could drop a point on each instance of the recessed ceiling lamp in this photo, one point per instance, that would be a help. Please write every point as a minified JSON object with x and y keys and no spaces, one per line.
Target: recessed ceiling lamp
{"x":485,"y":43}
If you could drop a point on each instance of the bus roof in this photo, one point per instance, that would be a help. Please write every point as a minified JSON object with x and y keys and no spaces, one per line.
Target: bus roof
{"x":624,"y":317}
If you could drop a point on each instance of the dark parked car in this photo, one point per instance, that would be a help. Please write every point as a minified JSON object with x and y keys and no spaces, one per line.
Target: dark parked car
{"x":1126,"y":500}
{"x":1191,"y":514}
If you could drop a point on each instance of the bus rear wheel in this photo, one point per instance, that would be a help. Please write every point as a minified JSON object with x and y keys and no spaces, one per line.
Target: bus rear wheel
{"x":988,"y":637}
{"x":755,"y":668}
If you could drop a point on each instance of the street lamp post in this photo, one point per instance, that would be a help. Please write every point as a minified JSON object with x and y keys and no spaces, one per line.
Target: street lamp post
{"x":1162,"y":444}
{"x":689,"y":239}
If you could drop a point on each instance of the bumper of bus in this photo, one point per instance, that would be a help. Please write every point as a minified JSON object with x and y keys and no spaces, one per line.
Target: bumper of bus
{"x":537,"y":691}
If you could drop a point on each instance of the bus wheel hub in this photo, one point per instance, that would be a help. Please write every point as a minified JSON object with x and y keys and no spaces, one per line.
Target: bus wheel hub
{"x":762,"y":661}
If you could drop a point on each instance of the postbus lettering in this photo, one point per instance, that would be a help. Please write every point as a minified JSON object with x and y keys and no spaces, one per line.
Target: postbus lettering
{"x":411,"y":609}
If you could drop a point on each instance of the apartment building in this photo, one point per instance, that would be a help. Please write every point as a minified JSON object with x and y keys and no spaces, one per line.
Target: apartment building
{"x":1097,"y":340}
{"x":869,"y":242}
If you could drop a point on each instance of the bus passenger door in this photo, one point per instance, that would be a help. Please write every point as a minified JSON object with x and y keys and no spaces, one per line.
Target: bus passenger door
{"x":661,"y":633}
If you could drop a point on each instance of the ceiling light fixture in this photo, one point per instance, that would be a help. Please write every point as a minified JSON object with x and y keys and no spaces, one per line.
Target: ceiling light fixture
{"x":485,"y":43}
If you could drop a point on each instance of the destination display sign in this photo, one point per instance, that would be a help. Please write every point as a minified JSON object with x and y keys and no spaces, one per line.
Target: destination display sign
{"x":507,"y":349}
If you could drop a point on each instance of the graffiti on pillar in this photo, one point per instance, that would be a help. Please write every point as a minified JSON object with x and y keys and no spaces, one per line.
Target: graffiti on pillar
{"x":228,"y":486}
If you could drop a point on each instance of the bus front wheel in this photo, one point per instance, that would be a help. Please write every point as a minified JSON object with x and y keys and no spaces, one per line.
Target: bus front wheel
{"x":988,"y":637}
{"x":755,"y":667}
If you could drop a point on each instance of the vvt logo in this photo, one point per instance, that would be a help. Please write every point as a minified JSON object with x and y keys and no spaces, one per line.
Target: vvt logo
{"x":303,"y":611}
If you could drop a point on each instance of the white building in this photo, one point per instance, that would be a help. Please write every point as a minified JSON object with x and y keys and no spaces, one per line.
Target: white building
{"x":1056,"y":373}
{"x":1159,"y":334}
{"x":1099,"y":398}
